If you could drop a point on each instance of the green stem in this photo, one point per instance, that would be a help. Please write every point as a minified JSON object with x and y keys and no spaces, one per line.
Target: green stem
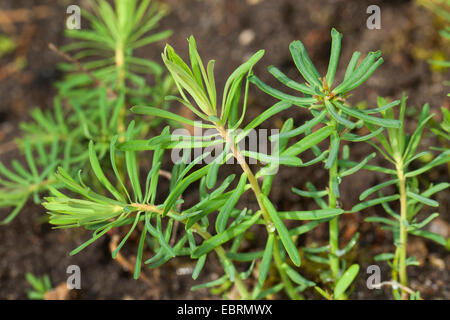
{"x":395,"y":271}
{"x":401,"y":266}
{"x":288,"y":286}
{"x":120,"y":62}
{"x":333,"y":225}
{"x":120,"y":67}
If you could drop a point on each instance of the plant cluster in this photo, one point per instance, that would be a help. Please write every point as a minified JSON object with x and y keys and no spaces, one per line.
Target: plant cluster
{"x":102,"y":79}
{"x":122,"y":190}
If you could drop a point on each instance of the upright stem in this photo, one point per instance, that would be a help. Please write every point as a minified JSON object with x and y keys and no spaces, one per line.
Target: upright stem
{"x":334,"y":225}
{"x":120,"y":69}
{"x":401,"y":265}
{"x":120,"y":60}
{"x":395,"y":271}
{"x":289,"y":287}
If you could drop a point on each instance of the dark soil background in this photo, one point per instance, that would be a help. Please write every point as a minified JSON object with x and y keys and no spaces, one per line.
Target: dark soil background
{"x":229,"y":31}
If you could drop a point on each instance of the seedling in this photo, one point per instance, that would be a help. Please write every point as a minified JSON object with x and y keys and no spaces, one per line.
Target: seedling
{"x":92,"y":101}
{"x":400,"y":149}
{"x":41,"y":285}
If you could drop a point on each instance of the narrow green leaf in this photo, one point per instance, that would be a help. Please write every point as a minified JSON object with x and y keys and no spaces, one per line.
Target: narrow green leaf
{"x":100,"y":175}
{"x":374,"y":202}
{"x":336,"y":38}
{"x":358,"y":72}
{"x":383,"y":108}
{"x":211,"y":177}
{"x":297,"y":101}
{"x":388,"y":123}
{"x":424,"y":200}
{"x":282,"y":231}
{"x":296,"y":277}
{"x":112,"y":153}
{"x":430,"y":235}
{"x":441,"y":159}
{"x":334,"y":150}
{"x":284,"y":79}
{"x":307,"y":142}
{"x":352,"y":64}
{"x":236,"y":77}
{"x":384,"y":256}
{"x":336,"y":116}
{"x":245,"y":257}
{"x":308,"y":125}
{"x":310,"y":194}
{"x":199,"y":266}
{"x":225,"y":211}
{"x":310,"y":215}
{"x":132,"y":167}
{"x":345,"y":281}
{"x":266,"y":260}
{"x":358,"y":166}
{"x":355,"y":138}
{"x":373,"y":189}
{"x":423,"y":223}
{"x":304,"y":63}
{"x":382,"y":220}
{"x":156,"y":112}
{"x":436,"y":188}
{"x":181,"y":186}
{"x":211,"y":284}
{"x":223,"y":237}
{"x":369,"y":72}
{"x":273,"y":110}
{"x":305,"y":227}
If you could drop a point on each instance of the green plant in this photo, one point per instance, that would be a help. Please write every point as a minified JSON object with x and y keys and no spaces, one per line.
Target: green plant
{"x":103,"y":174}
{"x":92,"y":101}
{"x":109,"y":46}
{"x":328,"y":105}
{"x":65,"y":210}
{"x":196,"y":85}
{"x":41,"y":285}
{"x":400,"y":149}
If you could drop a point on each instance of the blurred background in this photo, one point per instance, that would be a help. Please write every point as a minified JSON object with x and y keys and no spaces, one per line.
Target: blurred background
{"x":228,"y":31}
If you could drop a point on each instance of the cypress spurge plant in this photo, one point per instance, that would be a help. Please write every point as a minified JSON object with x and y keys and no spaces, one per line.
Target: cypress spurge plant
{"x":198,"y":83}
{"x":103,"y":77}
{"x":400,"y":149}
{"x":216,"y":223}
{"x":108,"y":47}
{"x":99,"y":213}
{"x":327,"y":102}
{"x":104,"y":60}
